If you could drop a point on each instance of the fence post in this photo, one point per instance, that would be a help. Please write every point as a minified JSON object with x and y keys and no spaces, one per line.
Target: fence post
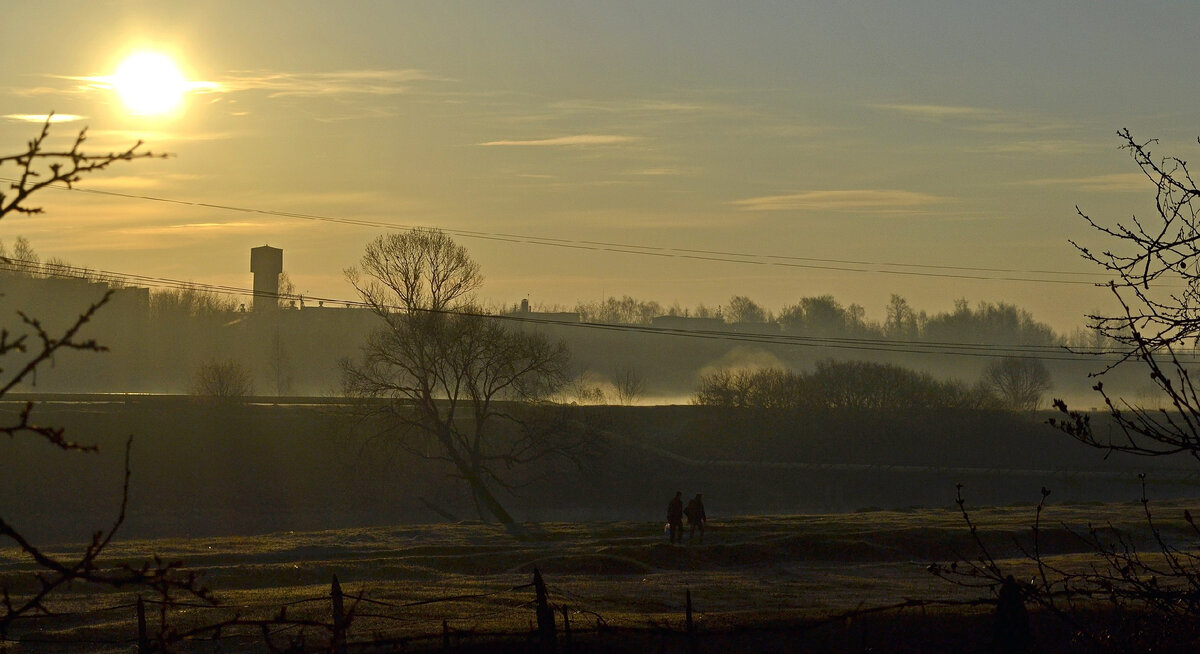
{"x":339,"y":618}
{"x":566,"y":630}
{"x":691,"y":627}
{"x":445,"y":636}
{"x":545,"y":615}
{"x":143,"y":637}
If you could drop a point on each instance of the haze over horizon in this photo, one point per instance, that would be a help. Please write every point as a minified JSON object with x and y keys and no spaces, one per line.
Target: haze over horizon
{"x":828,"y":143}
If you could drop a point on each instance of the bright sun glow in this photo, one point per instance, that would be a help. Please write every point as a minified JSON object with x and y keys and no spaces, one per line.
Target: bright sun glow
{"x":149,"y":84}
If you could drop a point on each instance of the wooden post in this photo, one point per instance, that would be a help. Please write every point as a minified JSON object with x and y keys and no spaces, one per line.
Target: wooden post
{"x":445,"y":636}
{"x":339,"y":618}
{"x":566,"y":629}
{"x":691,"y":627}
{"x":545,"y":615}
{"x":143,"y":637}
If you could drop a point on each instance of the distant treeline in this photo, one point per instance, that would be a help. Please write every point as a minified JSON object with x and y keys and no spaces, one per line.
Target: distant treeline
{"x":1008,"y":383}
{"x":851,"y":385}
{"x":822,"y":316}
{"x":159,"y":339}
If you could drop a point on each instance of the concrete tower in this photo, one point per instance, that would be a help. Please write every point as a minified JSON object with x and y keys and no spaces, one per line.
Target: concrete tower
{"x":266,"y":263}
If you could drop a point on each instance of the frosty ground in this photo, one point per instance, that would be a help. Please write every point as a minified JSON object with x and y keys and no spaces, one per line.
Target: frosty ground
{"x":749,"y":571}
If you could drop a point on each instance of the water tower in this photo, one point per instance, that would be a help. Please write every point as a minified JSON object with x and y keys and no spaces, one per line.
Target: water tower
{"x":266,"y":263}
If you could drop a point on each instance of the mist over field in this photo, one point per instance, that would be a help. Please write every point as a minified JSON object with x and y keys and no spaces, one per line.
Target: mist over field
{"x":157,"y":340}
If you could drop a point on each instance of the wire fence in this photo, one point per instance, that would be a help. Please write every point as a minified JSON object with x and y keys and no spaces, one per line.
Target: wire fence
{"x":555,"y":620}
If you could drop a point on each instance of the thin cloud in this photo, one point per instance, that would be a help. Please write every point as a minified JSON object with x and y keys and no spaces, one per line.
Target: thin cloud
{"x":658,"y":172}
{"x":205,"y":227}
{"x":345,"y":82}
{"x":1043,"y":146}
{"x":157,"y":136}
{"x":136,"y":182}
{"x":106,"y":83}
{"x":621,"y":106}
{"x":1115,"y":182}
{"x":979,"y":119}
{"x":937,"y":112}
{"x":42,"y":118}
{"x":276,"y":83}
{"x":872,"y":200}
{"x":567,"y":141}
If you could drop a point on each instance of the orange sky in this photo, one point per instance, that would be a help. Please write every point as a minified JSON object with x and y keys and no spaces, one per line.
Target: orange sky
{"x":936,"y":150}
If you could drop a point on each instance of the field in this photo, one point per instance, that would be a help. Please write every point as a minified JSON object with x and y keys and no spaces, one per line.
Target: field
{"x":757,"y":583}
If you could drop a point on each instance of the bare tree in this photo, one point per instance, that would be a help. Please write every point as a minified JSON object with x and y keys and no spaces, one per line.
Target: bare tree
{"x":743,"y":309}
{"x":222,"y":381}
{"x":454,"y":378}
{"x":1017,"y":382}
{"x":30,"y":346}
{"x":1155,"y":268}
{"x":629,"y":385}
{"x":902,"y":323}
{"x":613,"y":311}
{"x":1150,"y":592}
{"x":418,"y":271}
{"x":584,"y":387}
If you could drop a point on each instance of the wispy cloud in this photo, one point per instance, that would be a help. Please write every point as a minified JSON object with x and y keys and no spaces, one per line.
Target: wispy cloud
{"x":1114,"y":183}
{"x":573,"y":140}
{"x":122,"y":183}
{"x":41,"y":118}
{"x":938,"y":112}
{"x":869,"y":200}
{"x":1034,"y":146}
{"x":108,"y":83}
{"x":206,"y":227}
{"x":380,"y":82}
{"x":626,"y":106}
{"x":344,"y":82}
{"x":979,"y":119}
{"x":658,"y":172}
{"x":155,"y":137}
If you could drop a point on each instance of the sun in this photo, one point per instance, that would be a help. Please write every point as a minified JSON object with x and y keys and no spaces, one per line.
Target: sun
{"x":149,"y":84}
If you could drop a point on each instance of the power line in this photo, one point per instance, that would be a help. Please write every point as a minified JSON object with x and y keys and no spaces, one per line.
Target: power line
{"x":1041,"y":352}
{"x":786,"y":261}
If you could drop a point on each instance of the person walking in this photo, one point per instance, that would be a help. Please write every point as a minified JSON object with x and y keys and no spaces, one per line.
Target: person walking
{"x":695,"y":517}
{"x":675,"y":517}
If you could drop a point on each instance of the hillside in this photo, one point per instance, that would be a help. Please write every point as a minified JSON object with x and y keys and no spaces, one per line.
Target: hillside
{"x":205,"y":470}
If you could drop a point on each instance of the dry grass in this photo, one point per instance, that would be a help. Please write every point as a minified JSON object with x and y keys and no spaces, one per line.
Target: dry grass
{"x":750,"y":570}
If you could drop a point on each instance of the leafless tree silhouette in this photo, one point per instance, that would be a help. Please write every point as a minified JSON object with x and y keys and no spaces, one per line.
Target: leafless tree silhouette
{"x":222,"y":381}
{"x":1150,"y":594}
{"x":30,"y":345}
{"x":1155,"y":268}
{"x":1017,"y":382}
{"x":453,"y":377}
{"x":629,"y":385}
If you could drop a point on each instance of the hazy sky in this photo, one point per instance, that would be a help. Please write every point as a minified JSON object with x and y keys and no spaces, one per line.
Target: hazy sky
{"x":956,"y":134}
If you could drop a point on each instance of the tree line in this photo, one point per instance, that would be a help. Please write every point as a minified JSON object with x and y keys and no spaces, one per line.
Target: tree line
{"x":1008,"y":383}
{"x":824,"y":316}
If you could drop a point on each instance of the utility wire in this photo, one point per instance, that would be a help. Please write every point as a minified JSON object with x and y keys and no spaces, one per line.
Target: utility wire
{"x":810,"y":263}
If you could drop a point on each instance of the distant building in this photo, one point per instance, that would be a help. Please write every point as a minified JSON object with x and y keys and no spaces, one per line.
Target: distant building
{"x":548,"y":316}
{"x":266,"y":263}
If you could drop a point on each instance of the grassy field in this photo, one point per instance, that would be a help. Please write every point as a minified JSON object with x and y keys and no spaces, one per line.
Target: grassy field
{"x":750,"y":571}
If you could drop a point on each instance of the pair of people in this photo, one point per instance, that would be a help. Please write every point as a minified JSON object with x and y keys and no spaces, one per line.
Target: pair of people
{"x":694,"y":512}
